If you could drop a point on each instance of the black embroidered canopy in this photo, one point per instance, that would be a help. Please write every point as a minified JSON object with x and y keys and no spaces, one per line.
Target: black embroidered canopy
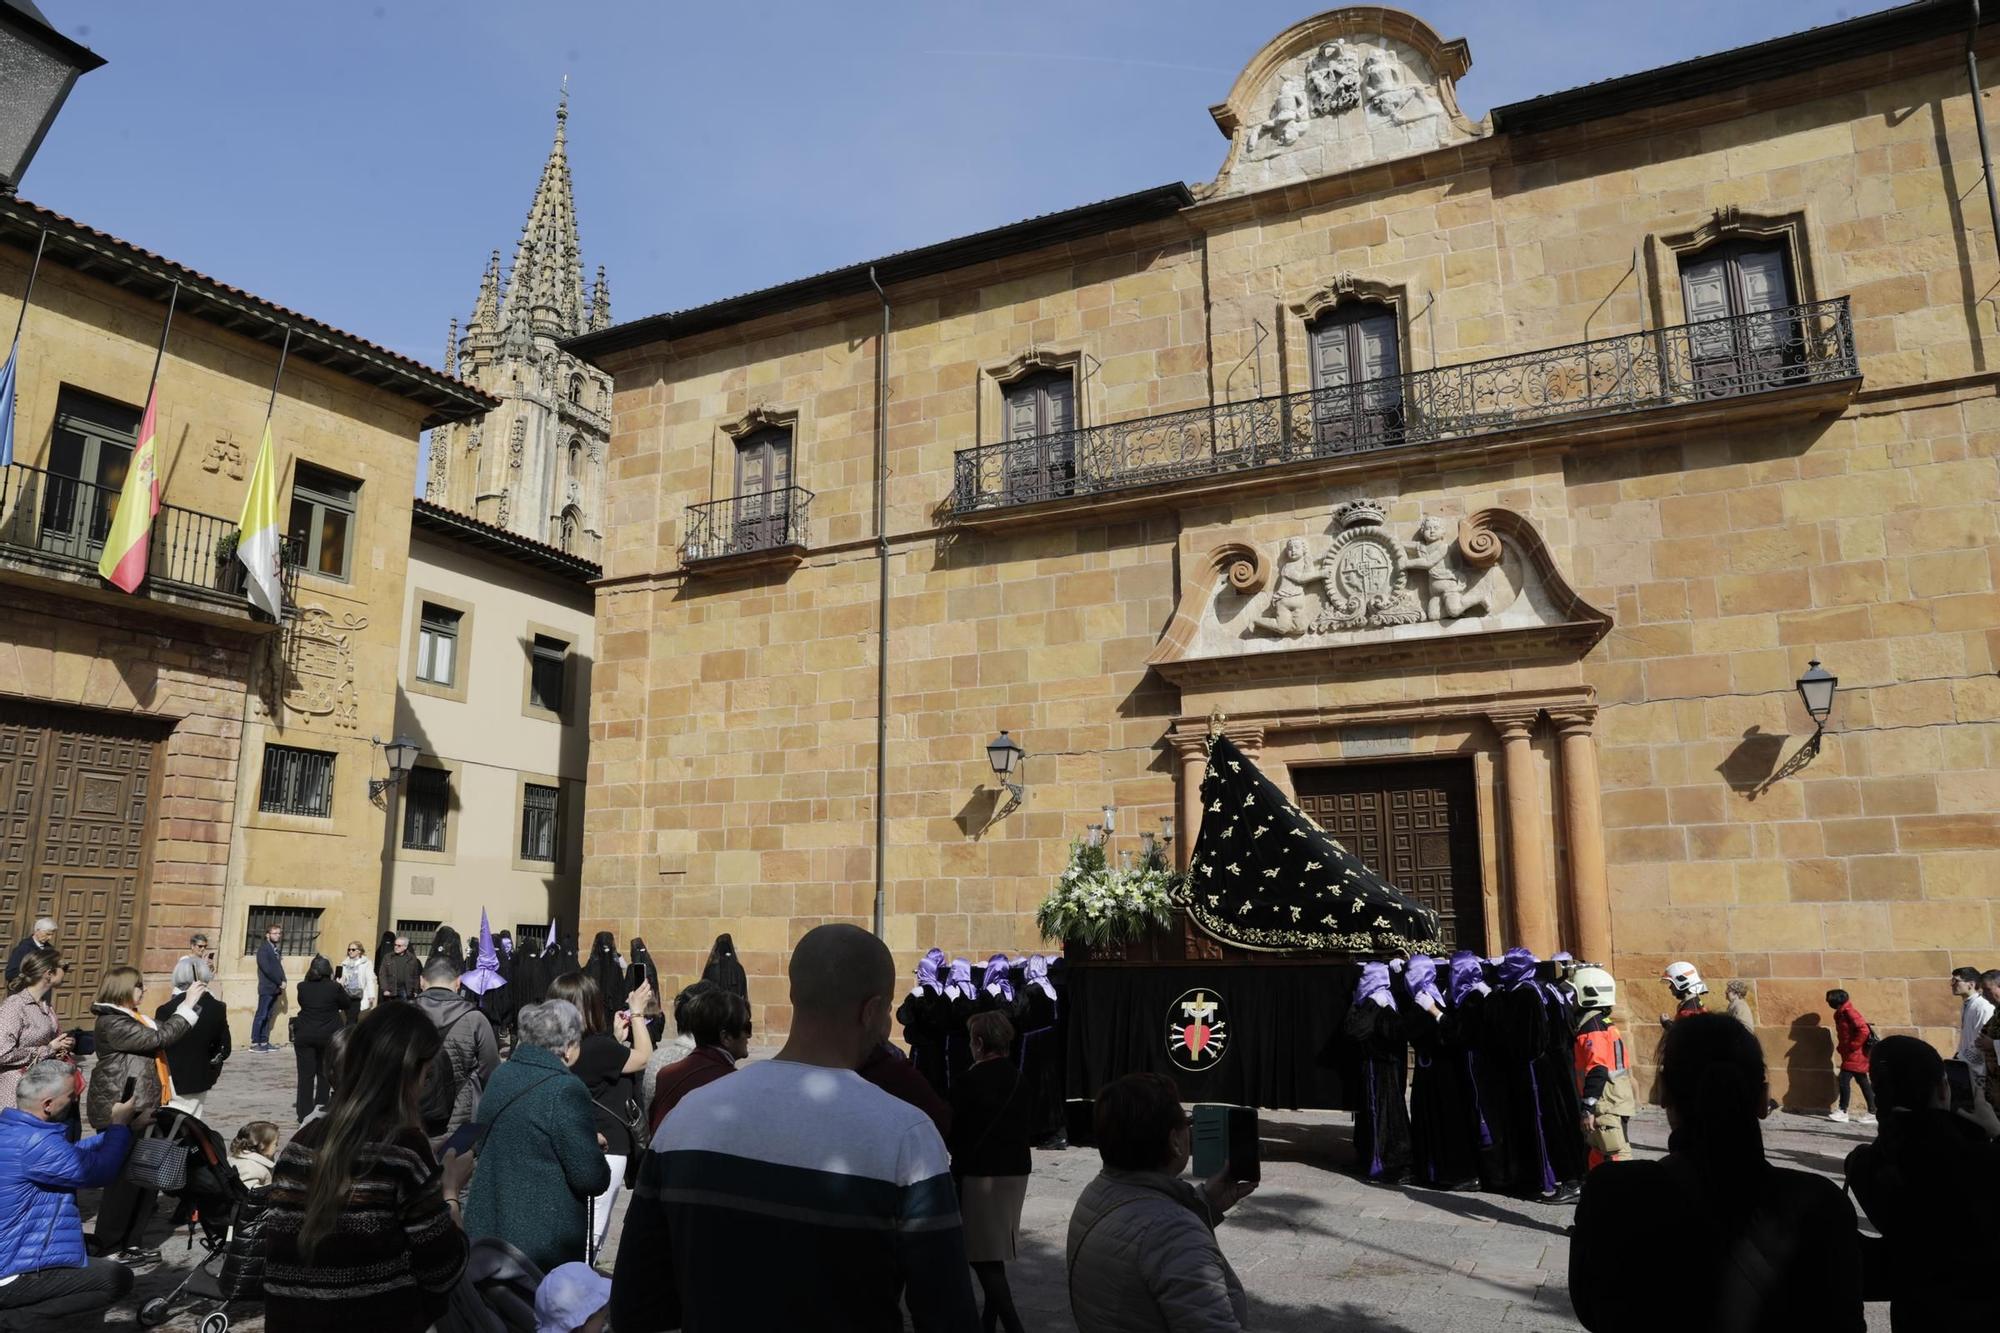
{"x":1265,"y":876}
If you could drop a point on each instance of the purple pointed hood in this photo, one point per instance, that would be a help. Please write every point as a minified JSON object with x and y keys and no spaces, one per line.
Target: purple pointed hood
{"x":1374,"y":981}
{"x":485,"y":974}
{"x":1468,"y":976}
{"x":999,"y":980}
{"x":1421,"y":973}
{"x":927,"y":973}
{"x":1517,"y":968}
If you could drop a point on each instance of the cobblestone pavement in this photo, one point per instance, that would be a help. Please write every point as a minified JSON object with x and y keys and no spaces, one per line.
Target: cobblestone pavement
{"x":1317,"y":1249}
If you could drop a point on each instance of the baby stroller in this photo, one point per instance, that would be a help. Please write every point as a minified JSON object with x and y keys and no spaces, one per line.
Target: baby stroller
{"x":496,"y":1294}
{"x":223,"y":1215}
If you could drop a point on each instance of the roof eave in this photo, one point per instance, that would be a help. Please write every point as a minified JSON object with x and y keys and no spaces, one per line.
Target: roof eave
{"x":498,"y":541}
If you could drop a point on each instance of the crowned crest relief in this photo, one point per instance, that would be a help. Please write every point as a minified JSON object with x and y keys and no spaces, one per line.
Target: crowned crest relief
{"x":1367,"y":579}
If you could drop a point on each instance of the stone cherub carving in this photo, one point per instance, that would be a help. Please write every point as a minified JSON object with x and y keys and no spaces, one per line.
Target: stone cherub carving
{"x":1289,"y":112}
{"x":1431,"y":555}
{"x":1291,"y":611}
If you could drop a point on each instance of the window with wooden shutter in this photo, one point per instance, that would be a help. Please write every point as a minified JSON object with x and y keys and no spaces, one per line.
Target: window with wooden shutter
{"x":1742,"y":290}
{"x":1040,"y":413}
{"x":1357,"y":369}
{"x":763,"y":489}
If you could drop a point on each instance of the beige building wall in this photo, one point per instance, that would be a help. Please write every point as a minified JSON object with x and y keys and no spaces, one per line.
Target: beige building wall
{"x":492,"y":739}
{"x":732,"y":756}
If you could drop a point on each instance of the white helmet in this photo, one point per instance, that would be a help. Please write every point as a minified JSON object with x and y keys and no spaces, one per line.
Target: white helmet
{"x":1595,"y":988}
{"x":1684,"y":981}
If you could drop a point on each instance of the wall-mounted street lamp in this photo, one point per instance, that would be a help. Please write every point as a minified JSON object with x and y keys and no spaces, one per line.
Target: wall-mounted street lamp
{"x":41,"y":67}
{"x":401,"y":755}
{"x":1167,"y":829}
{"x":1010,"y":765}
{"x":1816,"y":689}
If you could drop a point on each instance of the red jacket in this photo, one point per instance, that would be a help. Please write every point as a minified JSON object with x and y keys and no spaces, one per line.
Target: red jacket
{"x":698,"y":1069}
{"x":1850,"y":1030}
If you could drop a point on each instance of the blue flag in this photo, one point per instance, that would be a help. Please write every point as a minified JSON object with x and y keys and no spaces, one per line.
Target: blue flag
{"x":7,"y":406}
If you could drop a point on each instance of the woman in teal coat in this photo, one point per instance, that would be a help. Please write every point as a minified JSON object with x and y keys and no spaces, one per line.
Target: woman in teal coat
{"x":539,"y":1164}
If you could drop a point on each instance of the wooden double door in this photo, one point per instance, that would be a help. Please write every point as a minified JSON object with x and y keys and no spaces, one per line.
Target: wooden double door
{"x":1416,"y":824}
{"x":77,"y":794}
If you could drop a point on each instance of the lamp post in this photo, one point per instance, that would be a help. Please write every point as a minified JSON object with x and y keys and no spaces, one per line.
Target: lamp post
{"x":40,"y":67}
{"x":401,"y":755}
{"x":1816,"y":689}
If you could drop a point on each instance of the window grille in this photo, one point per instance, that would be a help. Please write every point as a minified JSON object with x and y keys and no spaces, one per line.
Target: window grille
{"x":419,"y":934}
{"x":531,"y":940}
{"x":301,"y":926}
{"x":538,"y":822}
{"x":426,"y":805}
{"x":297,"y":782}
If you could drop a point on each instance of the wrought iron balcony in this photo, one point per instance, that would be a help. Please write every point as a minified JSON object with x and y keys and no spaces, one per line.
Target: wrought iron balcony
{"x":752,"y":528}
{"x":1681,"y":366}
{"x":61,"y":522}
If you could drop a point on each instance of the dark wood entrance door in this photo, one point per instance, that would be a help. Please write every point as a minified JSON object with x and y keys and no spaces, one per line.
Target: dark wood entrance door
{"x":1417,"y":824}
{"x":76,"y":806}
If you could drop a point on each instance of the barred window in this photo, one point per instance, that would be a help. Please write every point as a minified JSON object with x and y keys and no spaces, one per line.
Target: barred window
{"x":538,"y":822}
{"x":419,"y":934}
{"x":297,"y":782}
{"x":437,"y":645}
{"x":546,"y":668}
{"x":530,"y":940}
{"x":426,"y":805}
{"x":300,"y":924}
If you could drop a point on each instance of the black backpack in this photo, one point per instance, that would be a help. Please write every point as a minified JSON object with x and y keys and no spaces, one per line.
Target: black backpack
{"x":441,"y":1080}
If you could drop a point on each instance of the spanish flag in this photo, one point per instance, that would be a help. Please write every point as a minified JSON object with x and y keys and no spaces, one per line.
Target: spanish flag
{"x":130,"y":541}
{"x":258,"y":538}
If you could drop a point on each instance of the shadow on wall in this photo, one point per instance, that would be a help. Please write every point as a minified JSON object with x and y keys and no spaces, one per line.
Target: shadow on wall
{"x":1809,"y":1074}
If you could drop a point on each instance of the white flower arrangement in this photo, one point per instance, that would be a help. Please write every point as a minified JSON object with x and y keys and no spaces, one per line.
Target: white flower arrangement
{"x":1096,"y":905}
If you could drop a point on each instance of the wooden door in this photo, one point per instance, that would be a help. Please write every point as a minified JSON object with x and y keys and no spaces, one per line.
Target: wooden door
{"x":1041,"y":436}
{"x":1743,"y":292}
{"x":763,"y":490}
{"x":1417,"y":825}
{"x":1357,"y":376}
{"x":76,"y":837}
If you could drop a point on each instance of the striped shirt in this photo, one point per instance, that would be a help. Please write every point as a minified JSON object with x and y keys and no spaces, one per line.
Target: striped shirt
{"x":793,"y":1196}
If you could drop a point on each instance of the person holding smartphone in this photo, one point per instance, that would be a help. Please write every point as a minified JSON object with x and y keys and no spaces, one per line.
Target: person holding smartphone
{"x":131,"y":1049}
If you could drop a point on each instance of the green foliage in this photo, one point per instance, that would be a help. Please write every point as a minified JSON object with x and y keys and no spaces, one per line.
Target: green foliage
{"x":1097,"y":905}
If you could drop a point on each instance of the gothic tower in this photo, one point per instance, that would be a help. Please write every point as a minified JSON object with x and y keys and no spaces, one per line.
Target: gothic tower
{"x":535,"y":465}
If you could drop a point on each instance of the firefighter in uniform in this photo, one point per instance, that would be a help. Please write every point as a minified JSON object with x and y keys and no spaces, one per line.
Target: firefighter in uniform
{"x":1688,"y":988}
{"x":1603,"y":1080}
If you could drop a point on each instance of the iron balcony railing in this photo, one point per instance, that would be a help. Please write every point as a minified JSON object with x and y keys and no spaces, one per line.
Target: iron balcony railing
{"x":1737,"y":357}
{"x":745,"y":524}
{"x":67,"y":519}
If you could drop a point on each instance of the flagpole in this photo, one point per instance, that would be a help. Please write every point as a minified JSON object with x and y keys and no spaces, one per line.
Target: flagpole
{"x":29,"y":294}
{"x":272,"y":406}
{"x":161,"y":354}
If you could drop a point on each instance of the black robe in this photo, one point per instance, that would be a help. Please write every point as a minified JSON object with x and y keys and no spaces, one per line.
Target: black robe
{"x":1444,"y":1127}
{"x":1463,"y":1044}
{"x":1381,"y":1124}
{"x":1038,"y":1048}
{"x":1538,"y":1094}
{"x":724,"y":970}
{"x":445,"y":944}
{"x":609,"y":974}
{"x":926,"y":1019}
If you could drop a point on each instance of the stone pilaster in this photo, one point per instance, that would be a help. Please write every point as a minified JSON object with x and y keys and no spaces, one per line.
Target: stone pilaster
{"x":1530,"y":910}
{"x":1583,"y":822}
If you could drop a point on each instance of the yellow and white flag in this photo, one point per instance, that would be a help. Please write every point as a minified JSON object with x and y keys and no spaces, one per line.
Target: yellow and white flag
{"x":259,"y":542}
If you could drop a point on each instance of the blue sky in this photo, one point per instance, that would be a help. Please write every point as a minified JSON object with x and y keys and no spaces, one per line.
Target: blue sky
{"x":358,"y":161}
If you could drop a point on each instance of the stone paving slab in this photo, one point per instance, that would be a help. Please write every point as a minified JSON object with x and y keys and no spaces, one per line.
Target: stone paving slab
{"x":1317,"y":1249}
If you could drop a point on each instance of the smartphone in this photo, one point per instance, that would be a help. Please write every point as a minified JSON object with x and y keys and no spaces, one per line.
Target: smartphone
{"x":465,"y":1139}
{"x":131,"y":1090}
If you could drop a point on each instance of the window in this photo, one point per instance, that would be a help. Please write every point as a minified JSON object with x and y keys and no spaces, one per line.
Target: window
{"x":531,"y":940}
{"x":763,"y":489}
{"x":1749,"y":284}
{"x":88,"y":454}
{"x":437,"y":645}
{"x":538,"y":822}
{"x":322,"y":527}
{"x":1041,"y":423}
{"x":1356,"y":373}
{"x":419,"y":934}
{"x":576,"y":389}
{"x":426,"y":806}
{"x":546,"y":666}
{"x":300,"y":924}
{"x":297,"y":782}
{"x":572,"y":523}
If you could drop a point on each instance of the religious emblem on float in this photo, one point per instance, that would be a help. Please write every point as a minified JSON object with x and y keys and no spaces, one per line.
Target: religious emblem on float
{"x":1197,"y":1036}
{"x":1366,"y":579}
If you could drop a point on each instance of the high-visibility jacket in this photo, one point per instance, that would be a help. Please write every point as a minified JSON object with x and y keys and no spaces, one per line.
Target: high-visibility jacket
{"x":1600,"y":1048}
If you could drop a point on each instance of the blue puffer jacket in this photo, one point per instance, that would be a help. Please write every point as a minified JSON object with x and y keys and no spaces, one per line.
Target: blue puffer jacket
{"x":40,"y":1173}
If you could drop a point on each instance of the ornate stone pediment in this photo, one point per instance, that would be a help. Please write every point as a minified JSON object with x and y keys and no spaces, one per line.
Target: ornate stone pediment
{"x":1482,"y":588}
{"x":1339,"y":90}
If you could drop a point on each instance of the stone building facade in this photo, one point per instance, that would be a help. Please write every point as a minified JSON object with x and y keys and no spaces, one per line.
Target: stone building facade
{"x":139,"y":733}
{"x":1496,"y":480}
{"x":535,"y":465}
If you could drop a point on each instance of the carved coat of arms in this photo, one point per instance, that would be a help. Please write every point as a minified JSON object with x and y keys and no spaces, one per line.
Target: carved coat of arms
{"x":1366,"y":579}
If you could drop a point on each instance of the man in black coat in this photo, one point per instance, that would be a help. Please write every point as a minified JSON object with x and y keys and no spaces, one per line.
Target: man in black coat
{"x":38,"y":938}
{"x":270,"y":985}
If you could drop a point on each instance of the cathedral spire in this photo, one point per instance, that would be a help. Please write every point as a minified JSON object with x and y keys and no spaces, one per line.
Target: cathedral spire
{"x":546,"y":287}
{"x":600,"y":302}
{"x":451,"y":348}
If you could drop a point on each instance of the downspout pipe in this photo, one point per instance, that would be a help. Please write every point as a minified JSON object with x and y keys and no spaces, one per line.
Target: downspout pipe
{"x":881,"y":604}
{"x":1979,"y":119}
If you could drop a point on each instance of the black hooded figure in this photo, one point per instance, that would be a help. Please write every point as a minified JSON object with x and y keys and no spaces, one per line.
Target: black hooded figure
{"x":724,"y":972}
{"x":1466,"y":1046}
{"x":926,"y":1018}
{"x":608,"y":971}
{"x":1444,"y":1132}
{"x":1538,"y":1087}
{"x":384,"y":949}
{"x":559,"y":959}
{"x":445,"y":944}
{"x":500,"y":1004}
{"x":639,"y":967}
{"x":1038,"y":1017}
{"x":1381,"y":1123}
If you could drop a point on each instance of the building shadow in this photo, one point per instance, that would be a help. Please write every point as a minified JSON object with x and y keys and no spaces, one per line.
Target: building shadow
{"x":1809,"y":1079}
